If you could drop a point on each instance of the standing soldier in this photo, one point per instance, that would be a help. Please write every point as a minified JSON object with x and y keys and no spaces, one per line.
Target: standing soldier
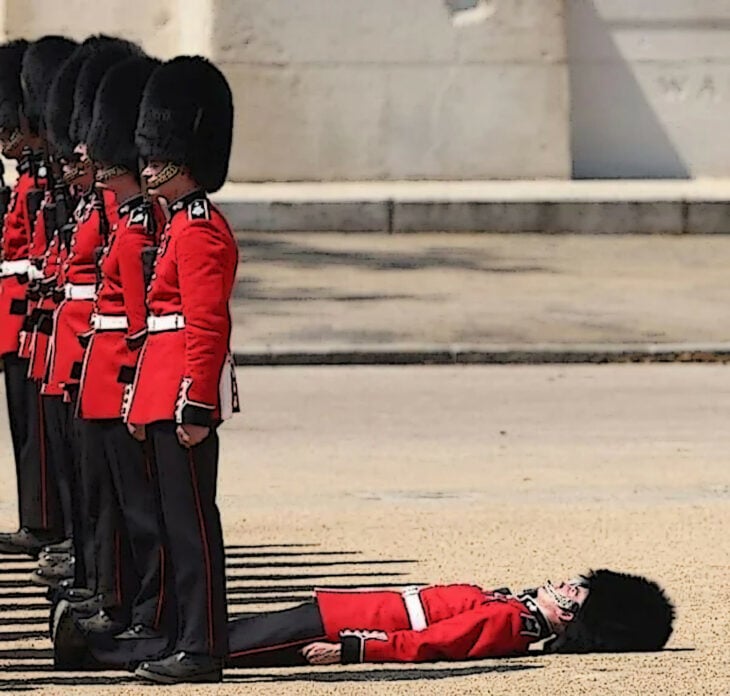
{"x":185,"y":384}
{"x":40,"y":64}
{"x":72,"y":318}
{"x":119,"y":319}
{"x":38,"y":511}
{"x":72,"y":198}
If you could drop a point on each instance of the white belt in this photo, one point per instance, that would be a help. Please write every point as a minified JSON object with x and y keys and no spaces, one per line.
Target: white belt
{"x":166,"y":322}
{"x":79,"y":292}
{"x":11,"y":268}
{"x":414,"y":608}
{"x":35,"y":273}
{"x":109,"y":322}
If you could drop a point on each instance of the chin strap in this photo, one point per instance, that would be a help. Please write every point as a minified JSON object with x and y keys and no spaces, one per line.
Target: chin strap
{"x":109,"y":173}
{"x":14,"y":139}
{"x":565,"y":603}
{"x":167,"y":173}
{"x":76,"y":172}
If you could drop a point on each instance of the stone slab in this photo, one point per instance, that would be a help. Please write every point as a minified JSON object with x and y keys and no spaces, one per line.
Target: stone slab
{"x":581,"y":207}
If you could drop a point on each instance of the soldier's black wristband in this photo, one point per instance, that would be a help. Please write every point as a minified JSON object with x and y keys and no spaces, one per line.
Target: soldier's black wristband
{"x":196,"y":415}
{"x":352,"y":650}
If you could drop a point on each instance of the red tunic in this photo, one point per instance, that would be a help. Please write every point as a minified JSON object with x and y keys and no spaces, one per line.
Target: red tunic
{"x":452,"y":622}
{"x":73,"y":316}
{"x":15,"y":242}
{"x":40,"y":345}
{"x":36,"y":252}
{"x":186,"y":375}
{"x":109,"y":362}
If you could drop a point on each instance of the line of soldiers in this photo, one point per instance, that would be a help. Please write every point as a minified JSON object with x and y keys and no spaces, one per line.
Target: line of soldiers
{"x":115,"y":282}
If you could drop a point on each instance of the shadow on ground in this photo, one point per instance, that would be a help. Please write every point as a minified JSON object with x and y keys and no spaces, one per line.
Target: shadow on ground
{"x":290,"y":563}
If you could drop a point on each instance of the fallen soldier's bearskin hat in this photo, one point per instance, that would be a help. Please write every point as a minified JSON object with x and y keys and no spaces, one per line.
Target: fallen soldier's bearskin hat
{"x":111,"y":136}
{"x":11,"y":96}
{"x":623,"y":613}
{"x":187,"y":119}
{"x":41,"y":62}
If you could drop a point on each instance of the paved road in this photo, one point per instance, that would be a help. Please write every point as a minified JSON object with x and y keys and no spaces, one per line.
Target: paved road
{"x":496,"y":475}
{"x":349,"y":292}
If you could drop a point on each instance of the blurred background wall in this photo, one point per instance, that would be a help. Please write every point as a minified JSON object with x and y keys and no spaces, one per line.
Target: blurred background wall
{"x":444,"y":89}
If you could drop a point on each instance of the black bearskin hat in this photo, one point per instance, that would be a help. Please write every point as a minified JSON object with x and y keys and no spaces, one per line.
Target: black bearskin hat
{"x":90,"y":76}
{"x":116,"y":108}
{"x":41,"y":62}
{"x":11,"y":95}
{"x":60,"y":104}
{"x":187,"y":119}
{"x":623,"y":613}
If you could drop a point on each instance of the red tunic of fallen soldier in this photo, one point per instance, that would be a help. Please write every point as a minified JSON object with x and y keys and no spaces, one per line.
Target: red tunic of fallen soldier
{"x":602,"y":611}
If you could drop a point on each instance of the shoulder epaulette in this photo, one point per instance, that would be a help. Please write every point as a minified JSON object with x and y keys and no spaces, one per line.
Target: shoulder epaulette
{"x":138,"y":216}
{"x":199,"y":209}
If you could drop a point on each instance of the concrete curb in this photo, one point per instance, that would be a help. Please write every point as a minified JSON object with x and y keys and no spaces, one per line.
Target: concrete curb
{"x":574,"y":207}
{"x":538,"y":354}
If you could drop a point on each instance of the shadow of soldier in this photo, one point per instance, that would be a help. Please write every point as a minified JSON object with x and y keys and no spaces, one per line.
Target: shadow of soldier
{"x":384,"y":674}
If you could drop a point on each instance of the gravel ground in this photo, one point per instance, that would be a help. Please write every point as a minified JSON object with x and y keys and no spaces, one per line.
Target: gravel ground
{"x":493,"y":475}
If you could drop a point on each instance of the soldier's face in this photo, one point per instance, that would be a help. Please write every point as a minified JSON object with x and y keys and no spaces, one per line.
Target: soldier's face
{"x":160,"y":178}
{"x":79,"y":171}
{"x":561,"y":602}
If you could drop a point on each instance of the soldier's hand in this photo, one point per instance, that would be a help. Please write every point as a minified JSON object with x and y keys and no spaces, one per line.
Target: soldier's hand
{"x":322,"y":653}
{"x":138,"y":432}
{"x":190,"y":435}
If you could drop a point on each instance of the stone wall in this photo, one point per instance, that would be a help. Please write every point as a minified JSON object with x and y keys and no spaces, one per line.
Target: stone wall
{"x":650,"y":87}
{"x":444,"y":89}
{"x":377,"y":89}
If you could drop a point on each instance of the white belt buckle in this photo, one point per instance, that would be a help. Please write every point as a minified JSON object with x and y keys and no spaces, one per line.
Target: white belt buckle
{"x":165,"y":322}
{"x":414,"y":608}
{"x":109,"y":322}
{"x":11,"y":268}
{"x":79,"y":292}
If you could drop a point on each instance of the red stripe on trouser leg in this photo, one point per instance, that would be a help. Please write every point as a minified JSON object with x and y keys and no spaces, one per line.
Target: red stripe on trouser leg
{"x":206,"y":550}
{"x":280,"y":646}
{"x":161,"y":596}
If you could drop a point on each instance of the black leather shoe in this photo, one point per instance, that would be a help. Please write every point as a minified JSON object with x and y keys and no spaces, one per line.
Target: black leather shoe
{"x":66,"y":546}
{"x":100,"y":623}
{"x":62,"y":566}
{"x":88,"y":607}
{"x":51,"y":559}
{"x":138,"y":632}
{"x":67,"y":590}
{"x":70,"y":651}
{"x":182,"y":668}
{"x":51,"y":576}
{"x":24,"y":541}
{"x":69,"y":646}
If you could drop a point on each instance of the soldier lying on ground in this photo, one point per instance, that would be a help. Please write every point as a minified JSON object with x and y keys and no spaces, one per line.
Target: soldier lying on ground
{"x":602,"y":611}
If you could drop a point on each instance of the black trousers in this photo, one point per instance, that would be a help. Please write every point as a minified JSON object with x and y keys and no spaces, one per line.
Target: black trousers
{"x":187,"y":480}
{"x":274,"y":639}
{"x":104,"y":545}
{"x":131,"y":471}
{"x":270,"y":639}
{"x":60,"y":451}
{"x":39,"y":505}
